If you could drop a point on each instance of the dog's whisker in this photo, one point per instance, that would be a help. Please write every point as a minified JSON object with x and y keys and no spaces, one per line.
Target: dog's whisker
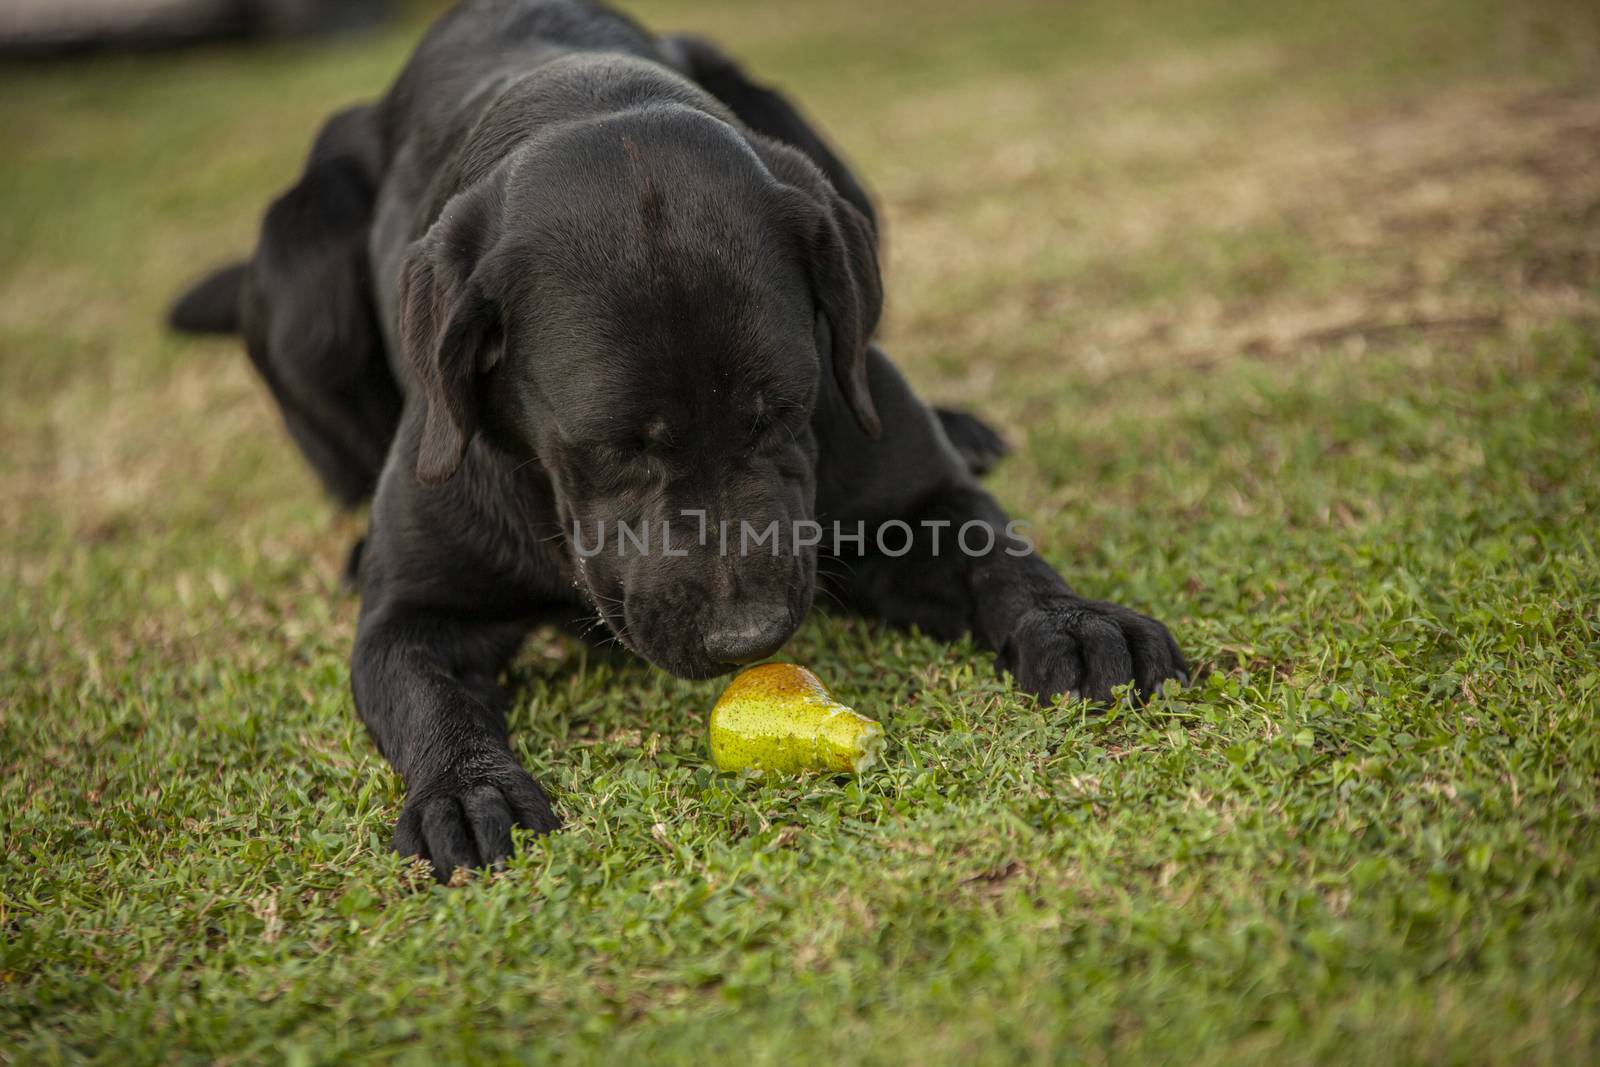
{"x":837,"y":600}
{"x":825,"y":563}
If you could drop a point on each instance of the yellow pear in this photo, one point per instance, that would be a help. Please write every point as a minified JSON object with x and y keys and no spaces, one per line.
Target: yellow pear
{"x":779,"y":717}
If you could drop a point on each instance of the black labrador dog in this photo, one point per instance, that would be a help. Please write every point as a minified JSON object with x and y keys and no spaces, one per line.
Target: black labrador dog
{"x":568,"y":281}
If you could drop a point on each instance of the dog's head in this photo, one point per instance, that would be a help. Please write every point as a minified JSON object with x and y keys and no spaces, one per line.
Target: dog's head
{"x":650,"y":307}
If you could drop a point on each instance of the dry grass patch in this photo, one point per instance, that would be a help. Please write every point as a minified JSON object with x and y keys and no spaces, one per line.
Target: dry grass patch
{"x":1472,"y":211}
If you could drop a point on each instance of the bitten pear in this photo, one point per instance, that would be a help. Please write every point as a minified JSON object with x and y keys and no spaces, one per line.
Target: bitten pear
{"x":780,"y":718}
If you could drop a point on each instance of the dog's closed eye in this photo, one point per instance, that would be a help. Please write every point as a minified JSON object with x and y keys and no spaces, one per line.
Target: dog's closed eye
{"x":652,"y":439}
{"x":775,"y":423}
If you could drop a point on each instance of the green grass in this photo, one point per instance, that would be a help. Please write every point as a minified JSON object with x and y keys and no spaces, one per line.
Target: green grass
{"x":1295,"y":314}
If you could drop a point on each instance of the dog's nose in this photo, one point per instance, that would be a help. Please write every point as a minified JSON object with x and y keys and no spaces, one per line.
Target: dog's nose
{"x":748,"y":633}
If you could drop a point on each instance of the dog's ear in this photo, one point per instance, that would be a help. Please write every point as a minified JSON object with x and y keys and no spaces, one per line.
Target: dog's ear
{"x":840,"y":245}
{"x":844,"y":270}
{"x":452,"y":326}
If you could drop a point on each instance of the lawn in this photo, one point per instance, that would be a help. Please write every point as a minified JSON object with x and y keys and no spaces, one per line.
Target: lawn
{"x":1292,"y":312}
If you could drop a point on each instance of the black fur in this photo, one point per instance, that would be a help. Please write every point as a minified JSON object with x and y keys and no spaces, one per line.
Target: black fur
{"x":563,"y":274}
{"x":211,"y":305}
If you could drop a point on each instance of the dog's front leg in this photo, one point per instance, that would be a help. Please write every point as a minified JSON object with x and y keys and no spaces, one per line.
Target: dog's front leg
{"x":426,"y":688}
{"x":966,"y":570}
{"x":942,"y":555}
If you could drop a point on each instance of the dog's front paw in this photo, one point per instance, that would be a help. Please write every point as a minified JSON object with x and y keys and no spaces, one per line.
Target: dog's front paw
{"x":1084,"y":648}
{"x":464,"y":817}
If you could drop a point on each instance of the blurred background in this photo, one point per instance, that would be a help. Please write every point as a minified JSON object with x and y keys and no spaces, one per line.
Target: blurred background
{"x":74,"y":27}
